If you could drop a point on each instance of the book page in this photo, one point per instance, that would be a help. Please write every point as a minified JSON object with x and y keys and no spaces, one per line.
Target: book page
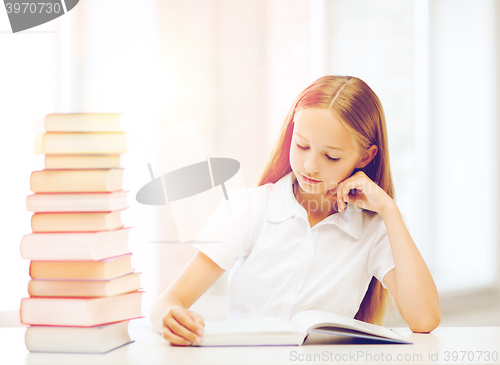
{"x":254,"y":325}
{"x":255,"y":331}
{"x":317,"y":337}
{"x":316,"y":319}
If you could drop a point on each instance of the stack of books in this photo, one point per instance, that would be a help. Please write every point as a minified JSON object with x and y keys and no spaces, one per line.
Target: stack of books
{"x":83,"y":289}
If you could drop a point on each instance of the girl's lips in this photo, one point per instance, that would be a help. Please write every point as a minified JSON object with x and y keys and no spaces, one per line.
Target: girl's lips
{"x":309,"y":181}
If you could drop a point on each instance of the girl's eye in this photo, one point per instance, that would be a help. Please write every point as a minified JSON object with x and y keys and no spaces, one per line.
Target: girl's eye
{"x":331,"y":158}
{"x":301,"y":147}
{"x":328,"y":157}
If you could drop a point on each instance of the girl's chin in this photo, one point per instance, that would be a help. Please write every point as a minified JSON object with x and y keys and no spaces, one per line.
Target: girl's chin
{"x":312,"y":189}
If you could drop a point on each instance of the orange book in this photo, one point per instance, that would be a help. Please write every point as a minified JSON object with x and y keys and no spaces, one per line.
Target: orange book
{"x":105,"y":269}
{"x":76,"y":222}
{"x":76,"y":181}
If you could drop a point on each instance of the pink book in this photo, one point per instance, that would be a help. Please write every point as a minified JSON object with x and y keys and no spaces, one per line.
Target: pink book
{"x":81,"y":246}
{"x":80,"y":312}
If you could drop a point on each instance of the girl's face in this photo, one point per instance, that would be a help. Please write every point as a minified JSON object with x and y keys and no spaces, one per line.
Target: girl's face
{"x":323,"y":151}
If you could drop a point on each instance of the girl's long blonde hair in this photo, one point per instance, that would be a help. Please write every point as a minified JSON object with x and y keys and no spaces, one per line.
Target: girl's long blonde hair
{"x":359,"y":110}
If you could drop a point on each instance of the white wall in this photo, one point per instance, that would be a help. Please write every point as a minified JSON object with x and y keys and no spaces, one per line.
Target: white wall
{"x":28,"y":91}
{"x":464,"y":139}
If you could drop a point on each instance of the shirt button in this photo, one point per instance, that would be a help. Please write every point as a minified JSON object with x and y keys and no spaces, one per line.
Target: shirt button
{"x":308,"y":253}
{"x":294,"y":288}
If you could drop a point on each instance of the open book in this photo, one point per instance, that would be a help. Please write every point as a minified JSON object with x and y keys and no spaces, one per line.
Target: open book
{"x":304,"y":328}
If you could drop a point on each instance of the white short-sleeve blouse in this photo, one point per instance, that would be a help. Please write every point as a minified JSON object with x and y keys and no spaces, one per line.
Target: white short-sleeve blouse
{"x":280,"y":266}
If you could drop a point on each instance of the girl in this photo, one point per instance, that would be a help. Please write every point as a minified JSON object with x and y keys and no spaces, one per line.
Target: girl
{"x":320,"y":231}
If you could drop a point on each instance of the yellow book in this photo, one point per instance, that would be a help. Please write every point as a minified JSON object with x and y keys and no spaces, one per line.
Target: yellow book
{"x":74,"y":181}
{"x":80,"y":143}
{"x":82,"y":161}
{"x":83,"y":122}
{"x":76,"y":222}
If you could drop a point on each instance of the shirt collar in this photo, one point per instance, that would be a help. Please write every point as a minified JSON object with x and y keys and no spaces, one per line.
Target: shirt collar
{"x":283,"y":205}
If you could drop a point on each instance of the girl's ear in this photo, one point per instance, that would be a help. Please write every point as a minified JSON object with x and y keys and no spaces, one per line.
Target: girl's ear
{"x":369,"y":154}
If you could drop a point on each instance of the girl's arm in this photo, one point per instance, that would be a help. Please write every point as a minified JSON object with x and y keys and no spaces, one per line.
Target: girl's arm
{"x":194,"y":280}
{"x":410,"y":282}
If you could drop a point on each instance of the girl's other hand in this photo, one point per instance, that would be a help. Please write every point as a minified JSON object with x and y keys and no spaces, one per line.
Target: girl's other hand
{"x":182,"y":326}
{"x":367,"y":194}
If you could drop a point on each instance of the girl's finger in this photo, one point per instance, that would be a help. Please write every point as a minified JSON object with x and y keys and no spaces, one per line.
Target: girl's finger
{"x":172,"y":338}
{"x":358,"y":201}
{"x":198,"y":319}
{"x":351,"y":185}
{"x":339,"y":199}
{"x":179,"y":330}
{"x":343,"y":190}
{"x":184,"y":317}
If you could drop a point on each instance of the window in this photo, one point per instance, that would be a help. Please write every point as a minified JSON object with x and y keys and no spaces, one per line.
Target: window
{"x":235,"y":67}
{"x":27,"y":92}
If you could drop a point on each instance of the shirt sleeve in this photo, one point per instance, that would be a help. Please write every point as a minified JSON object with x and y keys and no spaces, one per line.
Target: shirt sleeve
{"x":228,"y":233}
{"x":381,"y":260}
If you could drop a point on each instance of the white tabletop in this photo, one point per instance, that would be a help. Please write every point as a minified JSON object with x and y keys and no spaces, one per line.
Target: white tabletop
{"x":445,"y":345}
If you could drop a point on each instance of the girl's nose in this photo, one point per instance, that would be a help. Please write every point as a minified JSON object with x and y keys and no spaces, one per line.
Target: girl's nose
{"x":311,"y":165}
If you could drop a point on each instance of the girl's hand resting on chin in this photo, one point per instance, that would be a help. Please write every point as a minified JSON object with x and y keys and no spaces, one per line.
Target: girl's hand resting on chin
{"x":368,"y":195}
{"x":182,"y":326}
